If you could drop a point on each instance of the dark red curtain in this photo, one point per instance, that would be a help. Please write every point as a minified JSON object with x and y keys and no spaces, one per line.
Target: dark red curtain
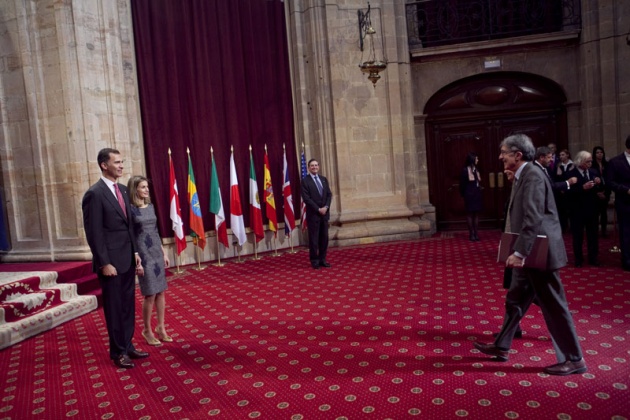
{"x":214,"y":73}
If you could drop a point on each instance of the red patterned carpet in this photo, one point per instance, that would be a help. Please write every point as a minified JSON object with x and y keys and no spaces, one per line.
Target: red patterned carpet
{"x":386,"y":333}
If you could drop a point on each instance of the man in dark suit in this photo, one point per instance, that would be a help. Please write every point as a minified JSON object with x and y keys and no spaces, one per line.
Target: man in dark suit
{"x":543,"y":159}
{"x":583,"y":201}
{"x":317,"y":196}
{"x":106,"y":219}
{"x":618,"y":180}
{"x":532,"y":212}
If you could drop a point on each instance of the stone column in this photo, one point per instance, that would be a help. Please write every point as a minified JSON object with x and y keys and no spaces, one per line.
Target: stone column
{"x":604,"y":57}
{"x":67,"y":89}
{"x":362,"y":135}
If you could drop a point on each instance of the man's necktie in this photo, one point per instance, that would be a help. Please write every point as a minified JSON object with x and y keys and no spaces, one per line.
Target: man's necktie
{"x":319,"y":185}
{"x":120,"y":199}
{"x":586,"y":175}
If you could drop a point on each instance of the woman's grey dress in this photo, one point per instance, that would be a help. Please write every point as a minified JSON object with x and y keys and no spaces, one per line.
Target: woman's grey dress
{"x":150,"y":250}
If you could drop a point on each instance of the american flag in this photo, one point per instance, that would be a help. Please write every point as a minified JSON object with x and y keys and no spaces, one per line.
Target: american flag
{"x":303,"y":206}
{"x":289,"y":215}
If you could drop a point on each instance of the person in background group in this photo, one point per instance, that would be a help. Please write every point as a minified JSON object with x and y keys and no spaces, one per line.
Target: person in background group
{"x":619,"y":181}
{"x":106,"y":219}
{"x":470,"y":189}
{"x":543,"y":160}
{"x":563,"y":167}
{"x":583,"y":208}
{"x":603,"y":196}
{"x":317,"y":196}
{"x":555,"y":159}
{"x":532,"y":212}
{"x":152,"y":272}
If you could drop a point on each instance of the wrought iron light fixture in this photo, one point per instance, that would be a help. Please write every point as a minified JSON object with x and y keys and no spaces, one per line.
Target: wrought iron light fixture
{"x":372,"y":66}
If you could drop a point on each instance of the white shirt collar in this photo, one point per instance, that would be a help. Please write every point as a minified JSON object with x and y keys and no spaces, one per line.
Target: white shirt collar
{"x":517,"y":174}
{"x":110,"y":184}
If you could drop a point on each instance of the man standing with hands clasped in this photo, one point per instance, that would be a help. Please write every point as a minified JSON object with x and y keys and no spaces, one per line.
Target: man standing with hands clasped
{"x":317,"y":197}
{"x":106,"y":219}
{"x":532,"y":212}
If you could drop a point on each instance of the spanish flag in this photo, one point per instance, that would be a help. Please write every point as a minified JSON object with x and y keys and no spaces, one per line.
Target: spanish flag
{"x":268,"y":197}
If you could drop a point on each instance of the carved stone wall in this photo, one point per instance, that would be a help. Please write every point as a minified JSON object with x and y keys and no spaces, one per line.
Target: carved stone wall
{"x":67,"y":89}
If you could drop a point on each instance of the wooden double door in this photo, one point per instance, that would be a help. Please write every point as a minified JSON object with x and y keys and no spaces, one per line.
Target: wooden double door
{"x":454,"y":131}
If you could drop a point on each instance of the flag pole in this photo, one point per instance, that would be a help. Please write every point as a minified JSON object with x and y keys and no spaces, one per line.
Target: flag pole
{"x":218,"y":263}
{"x":291,"y":244}
{"x":275,"y":245}
{"x":178,"y":261}
{"x":255,"y":257}
{"x":238,"y":253}
{"x":198,"y":256}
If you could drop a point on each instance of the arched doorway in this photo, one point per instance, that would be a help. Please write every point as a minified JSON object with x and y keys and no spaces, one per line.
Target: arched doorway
{"x":476,"y":114}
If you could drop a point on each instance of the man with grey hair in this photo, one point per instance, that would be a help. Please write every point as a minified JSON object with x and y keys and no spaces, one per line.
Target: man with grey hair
{"x":532,"y":212}
{"x":583,"y":208}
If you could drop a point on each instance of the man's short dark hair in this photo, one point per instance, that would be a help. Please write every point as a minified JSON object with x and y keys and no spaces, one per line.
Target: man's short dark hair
{"x":103,"y":156}
{"x":312,"y":160}
{"x":542,"y":151}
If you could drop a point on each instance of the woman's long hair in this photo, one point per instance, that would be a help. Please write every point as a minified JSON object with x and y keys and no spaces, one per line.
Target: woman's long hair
{"x":595,"y":149}
{"x":470,"y":159}
{"x":132,"y":186}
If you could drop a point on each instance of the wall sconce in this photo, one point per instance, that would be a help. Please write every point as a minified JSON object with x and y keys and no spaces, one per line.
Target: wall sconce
{"x":372,"y":66}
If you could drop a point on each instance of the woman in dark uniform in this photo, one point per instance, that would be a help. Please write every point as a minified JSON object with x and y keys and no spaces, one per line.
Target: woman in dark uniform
{"x":470,"y":189}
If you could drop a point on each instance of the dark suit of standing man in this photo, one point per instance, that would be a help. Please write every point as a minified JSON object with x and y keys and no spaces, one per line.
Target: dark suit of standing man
{"x":317,"y":197}
{"x":619,"y":182}
{"x":583,"y":202}
{"x":533,"y":212}
{"x":112,"y":242}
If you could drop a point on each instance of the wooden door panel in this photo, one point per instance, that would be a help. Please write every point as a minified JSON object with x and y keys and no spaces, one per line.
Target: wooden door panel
{"x":453,"y":140}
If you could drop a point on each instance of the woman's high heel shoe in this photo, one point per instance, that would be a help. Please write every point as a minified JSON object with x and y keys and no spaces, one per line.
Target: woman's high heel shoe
{"x":152,"y":341}
{"x":164,"y":337}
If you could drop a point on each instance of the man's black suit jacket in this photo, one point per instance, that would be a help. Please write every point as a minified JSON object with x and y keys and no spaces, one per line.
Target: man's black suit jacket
{"x":108,"y":231}
{"x":618,"y":179}
{"x":313,"y":199}
{"x":583,"y":202}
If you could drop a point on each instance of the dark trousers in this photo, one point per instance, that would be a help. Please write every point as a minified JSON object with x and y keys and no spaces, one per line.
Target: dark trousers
{"x":546,"y":287}
{"x":580,"y":223}
{"x":563,"y":211}
{"x":602,"y":214}
{"x":623,"y":224}
{"x":119,"y":309}
{"x":317,"y":239}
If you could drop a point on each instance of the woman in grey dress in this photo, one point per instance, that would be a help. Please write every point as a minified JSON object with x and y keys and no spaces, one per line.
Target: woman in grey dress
{"x":151,"y":275}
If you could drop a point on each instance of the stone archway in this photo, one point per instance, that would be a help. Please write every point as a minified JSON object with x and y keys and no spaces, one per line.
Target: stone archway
{"x":476,"y":114}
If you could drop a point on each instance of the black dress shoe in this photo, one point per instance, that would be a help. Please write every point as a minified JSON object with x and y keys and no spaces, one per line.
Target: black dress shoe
{"x":578,"y":264}
{"x":324,"y":264}
{"x":594,"y":263}
{"x":315,"y":266}
{"x":123,"y":362}
{"x":137,"y":354}
{"x":492,"y":350}
{"x":567,"y":368}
